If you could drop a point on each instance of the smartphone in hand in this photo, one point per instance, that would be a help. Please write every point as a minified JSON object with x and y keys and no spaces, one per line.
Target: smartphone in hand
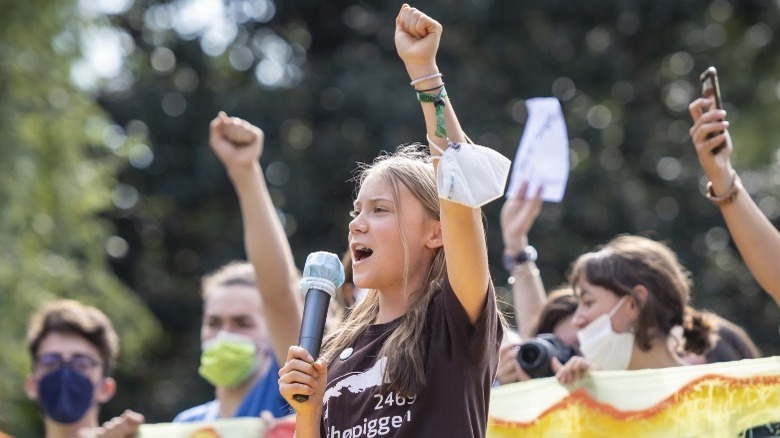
{"x":711,"y":90}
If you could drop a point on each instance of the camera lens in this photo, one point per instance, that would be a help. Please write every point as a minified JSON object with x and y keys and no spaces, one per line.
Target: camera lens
{"x":535,"y":355}
{"x":530,"y":355}
{"x":534,"y":358}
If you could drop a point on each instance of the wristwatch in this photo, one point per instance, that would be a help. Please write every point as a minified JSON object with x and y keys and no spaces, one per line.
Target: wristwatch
{"x":526,"y":255}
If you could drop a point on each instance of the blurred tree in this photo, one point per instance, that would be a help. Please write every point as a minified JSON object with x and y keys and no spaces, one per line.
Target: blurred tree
{"x":58,"y":161}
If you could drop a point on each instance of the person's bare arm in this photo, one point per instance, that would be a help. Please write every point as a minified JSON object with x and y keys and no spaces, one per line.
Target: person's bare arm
{"x":239,"y":144}
{"x":417,"y":39}
{"x":756,"y":238}
{"x":528,"y":295}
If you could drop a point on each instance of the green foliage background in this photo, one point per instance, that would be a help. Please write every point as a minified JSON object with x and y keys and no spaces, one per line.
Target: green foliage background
{"x":109,"y":193}
{"x":56,"y":180}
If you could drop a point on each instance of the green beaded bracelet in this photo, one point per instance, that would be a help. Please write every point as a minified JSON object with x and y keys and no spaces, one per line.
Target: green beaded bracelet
{"x":438,"y":103}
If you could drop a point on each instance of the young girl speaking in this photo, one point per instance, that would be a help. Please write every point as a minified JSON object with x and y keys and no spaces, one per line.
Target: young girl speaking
{"x":417,"y":356}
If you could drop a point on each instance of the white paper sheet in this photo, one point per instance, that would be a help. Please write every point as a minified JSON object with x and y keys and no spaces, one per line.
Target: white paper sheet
{"x":542,"y":158}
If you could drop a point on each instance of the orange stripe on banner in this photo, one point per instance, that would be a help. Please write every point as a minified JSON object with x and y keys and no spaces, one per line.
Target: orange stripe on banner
{"x":751,"y":395}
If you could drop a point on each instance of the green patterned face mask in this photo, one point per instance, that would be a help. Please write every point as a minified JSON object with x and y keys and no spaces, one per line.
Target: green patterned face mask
{"x":228,"y":359}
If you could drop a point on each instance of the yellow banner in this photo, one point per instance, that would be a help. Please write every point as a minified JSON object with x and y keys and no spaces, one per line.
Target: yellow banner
{"x":714,"y":400}
{"x":228,"y":428}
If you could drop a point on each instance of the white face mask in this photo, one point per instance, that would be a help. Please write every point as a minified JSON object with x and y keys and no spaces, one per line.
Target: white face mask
{"x":603,"y":346}
{"x":471,"y":174}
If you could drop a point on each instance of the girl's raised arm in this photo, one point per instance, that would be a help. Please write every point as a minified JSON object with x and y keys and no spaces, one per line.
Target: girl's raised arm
{"x":417,"y":39}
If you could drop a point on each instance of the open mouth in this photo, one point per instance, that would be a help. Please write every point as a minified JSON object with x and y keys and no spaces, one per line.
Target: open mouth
{"x":360,"y":253}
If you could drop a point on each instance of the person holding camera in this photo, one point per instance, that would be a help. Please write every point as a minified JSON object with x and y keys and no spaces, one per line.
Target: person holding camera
{"x":554,"y":336}
{"x":544,"y":322}
{"x":632,"y":292}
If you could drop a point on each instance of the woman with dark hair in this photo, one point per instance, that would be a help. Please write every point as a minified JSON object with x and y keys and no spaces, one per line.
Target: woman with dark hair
{"x":632,"y":292}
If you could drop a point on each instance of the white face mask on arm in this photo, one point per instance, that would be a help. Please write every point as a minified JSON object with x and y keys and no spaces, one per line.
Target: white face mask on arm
{"x":470,"y":174}
{"x":600,"y":344}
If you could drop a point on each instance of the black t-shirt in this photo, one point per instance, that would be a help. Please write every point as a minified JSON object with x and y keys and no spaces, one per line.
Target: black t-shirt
{"x":460,"y":368}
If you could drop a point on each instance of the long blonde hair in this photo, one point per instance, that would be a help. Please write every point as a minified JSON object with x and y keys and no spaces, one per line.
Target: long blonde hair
{"x":405,"y":349}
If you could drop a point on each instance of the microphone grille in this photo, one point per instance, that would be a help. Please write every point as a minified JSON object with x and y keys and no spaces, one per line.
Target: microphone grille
{"x":323,"y":271}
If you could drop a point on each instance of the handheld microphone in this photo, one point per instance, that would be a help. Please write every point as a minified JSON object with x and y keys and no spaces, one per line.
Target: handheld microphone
{"x":322,"y":274}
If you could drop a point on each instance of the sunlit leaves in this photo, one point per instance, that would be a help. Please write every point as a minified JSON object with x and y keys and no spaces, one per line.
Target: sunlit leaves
{"x":57,"y":168}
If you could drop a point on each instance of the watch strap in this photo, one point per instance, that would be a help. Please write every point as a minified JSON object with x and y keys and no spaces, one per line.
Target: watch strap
{"x":528,"y":254}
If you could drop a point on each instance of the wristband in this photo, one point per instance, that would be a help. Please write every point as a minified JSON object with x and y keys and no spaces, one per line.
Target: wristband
{"x":517,"y":278}
{"x":430,"y":76}
{"x":438,"y":103}
{"x":726,"y":198}
{"x":430,"y":89}
{"x":528,"y":254}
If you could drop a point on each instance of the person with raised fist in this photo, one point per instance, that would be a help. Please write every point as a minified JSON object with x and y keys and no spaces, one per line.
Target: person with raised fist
{"x":417,"y":355}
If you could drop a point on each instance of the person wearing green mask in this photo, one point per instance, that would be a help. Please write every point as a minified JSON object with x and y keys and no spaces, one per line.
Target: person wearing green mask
{"x":252,"y":311}
{"x":237,"y":356}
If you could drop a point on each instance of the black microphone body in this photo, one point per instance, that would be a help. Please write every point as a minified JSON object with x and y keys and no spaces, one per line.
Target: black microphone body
{"x":315,"y":311}
{"x":322,"y":274}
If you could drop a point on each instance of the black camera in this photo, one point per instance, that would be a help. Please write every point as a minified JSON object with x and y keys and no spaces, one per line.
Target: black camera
{"x":534,"y":356}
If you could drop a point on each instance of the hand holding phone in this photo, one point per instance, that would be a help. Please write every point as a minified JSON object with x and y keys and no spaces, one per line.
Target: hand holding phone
{"x":710,"y":89}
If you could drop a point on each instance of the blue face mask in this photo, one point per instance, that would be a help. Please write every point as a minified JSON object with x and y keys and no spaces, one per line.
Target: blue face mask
{"x":65,"y":395}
